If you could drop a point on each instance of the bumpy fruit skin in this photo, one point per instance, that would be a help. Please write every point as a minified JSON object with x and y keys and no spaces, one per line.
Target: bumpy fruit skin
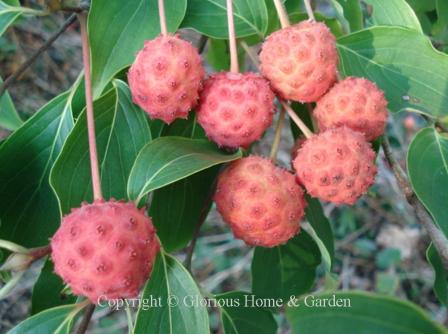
{"x":300,"y":61}
{"x":235,"y":108}
{"x":166,"y":77}
{"x":105,"y":250}
{"x":356,"y":103}
{"x":337,"y":165}
{"x":262,"y":203}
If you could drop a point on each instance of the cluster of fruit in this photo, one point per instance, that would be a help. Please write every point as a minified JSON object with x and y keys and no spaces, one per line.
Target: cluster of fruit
{"x":262,"y":203}
{"x":298,"y":63}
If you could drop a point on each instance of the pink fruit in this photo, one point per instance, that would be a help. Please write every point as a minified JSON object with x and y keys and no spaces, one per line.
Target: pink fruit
{"x":105,"y":250}
{"x":356,"y":103}
{"x":166,"y":77}
{"x":235,"y":109}
{"x":337,"y":165}
{"x":262,"y":203}
{"x":300,"y":61}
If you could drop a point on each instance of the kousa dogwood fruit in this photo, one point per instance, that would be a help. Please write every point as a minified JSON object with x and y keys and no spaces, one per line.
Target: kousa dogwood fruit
{"x":105,"y":250}
{"x":166,"y":77}
{"x":300,"y":61}
{"x":262,"y":203}
{"x":235,"y":108}
{"x":356,"y":103}
{"x":337,"y":165}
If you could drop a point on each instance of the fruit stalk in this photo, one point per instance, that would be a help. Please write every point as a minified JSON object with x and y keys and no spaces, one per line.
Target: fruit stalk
{"x":234,"y":67}
{"x":296,"y":119}
{"x":278,"y":135}
{"x":86,"y":319}
{"x":252,"y":55}
{"x":163,"y":29}
{"x":309,"y":10}
{"x":96,"y":181}
{"x":282,"y":14}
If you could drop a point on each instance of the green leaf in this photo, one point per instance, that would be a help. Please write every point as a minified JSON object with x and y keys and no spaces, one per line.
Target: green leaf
{"x":339,"y":13}
{"x":240,"y":317}
{"x":218,"y":55}
{"x":427,"y":163}
{"x":287,"y":270}
{"x":367,"y":312}
{"x":353,"y":14}
{"x":8,"y":14}
{"x":117,"y":30}
{"x":121,"y":131}
{"x":173,"y":286}
{"x":422,"y":6}
{"x":57,"y":320}
{"x":12,"y":2}
{"x":9,"y":118}
{"x":166,"y":160}
{"x":28,"y":207}
{"x":392,"y":13}
{"x":47,"y":290}
{"x":315,"y":215}
{"x":442,"y":12}
{"x":441,"y":275}
{"x":179,"y":207}
{"x":412,"y":77}
{"x":250,"y":16}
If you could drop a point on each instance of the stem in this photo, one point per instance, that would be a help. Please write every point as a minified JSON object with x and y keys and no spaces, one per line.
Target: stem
{"x":282,"y":14}
{"x":163,"y":29}
{"x":40,"y":252}
{"x":252,"y":55}
{"x":309,"y":10}
{"x":234,"y":68}
{"x":22,"y":68}
{"x":202,"y":43}
{"x":201,"y":221}
{"x":438,"y":238}
{"x":86,"y":319}
{"x":278,"y":135}
{"x":296,"y":119}
{"x":96,"y":181}
{"x":13,"y":247}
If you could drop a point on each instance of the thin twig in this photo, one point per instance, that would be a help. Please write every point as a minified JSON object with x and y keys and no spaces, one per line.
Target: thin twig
{"x":250,"y":52}
{"x":296,"y":119}
{"x":234,"y":67}
{"x":278,"y":135}
{"x":22,"y":68}
{"x":201,"y":221}
{"x":396,"y":169}
{"x":309,"y":10}
{"x":438,"y":238}
{"x":86,"y":319}
{"x":282,"y":14}
{"x":96,"y":181}
{"x":162,"y":17}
